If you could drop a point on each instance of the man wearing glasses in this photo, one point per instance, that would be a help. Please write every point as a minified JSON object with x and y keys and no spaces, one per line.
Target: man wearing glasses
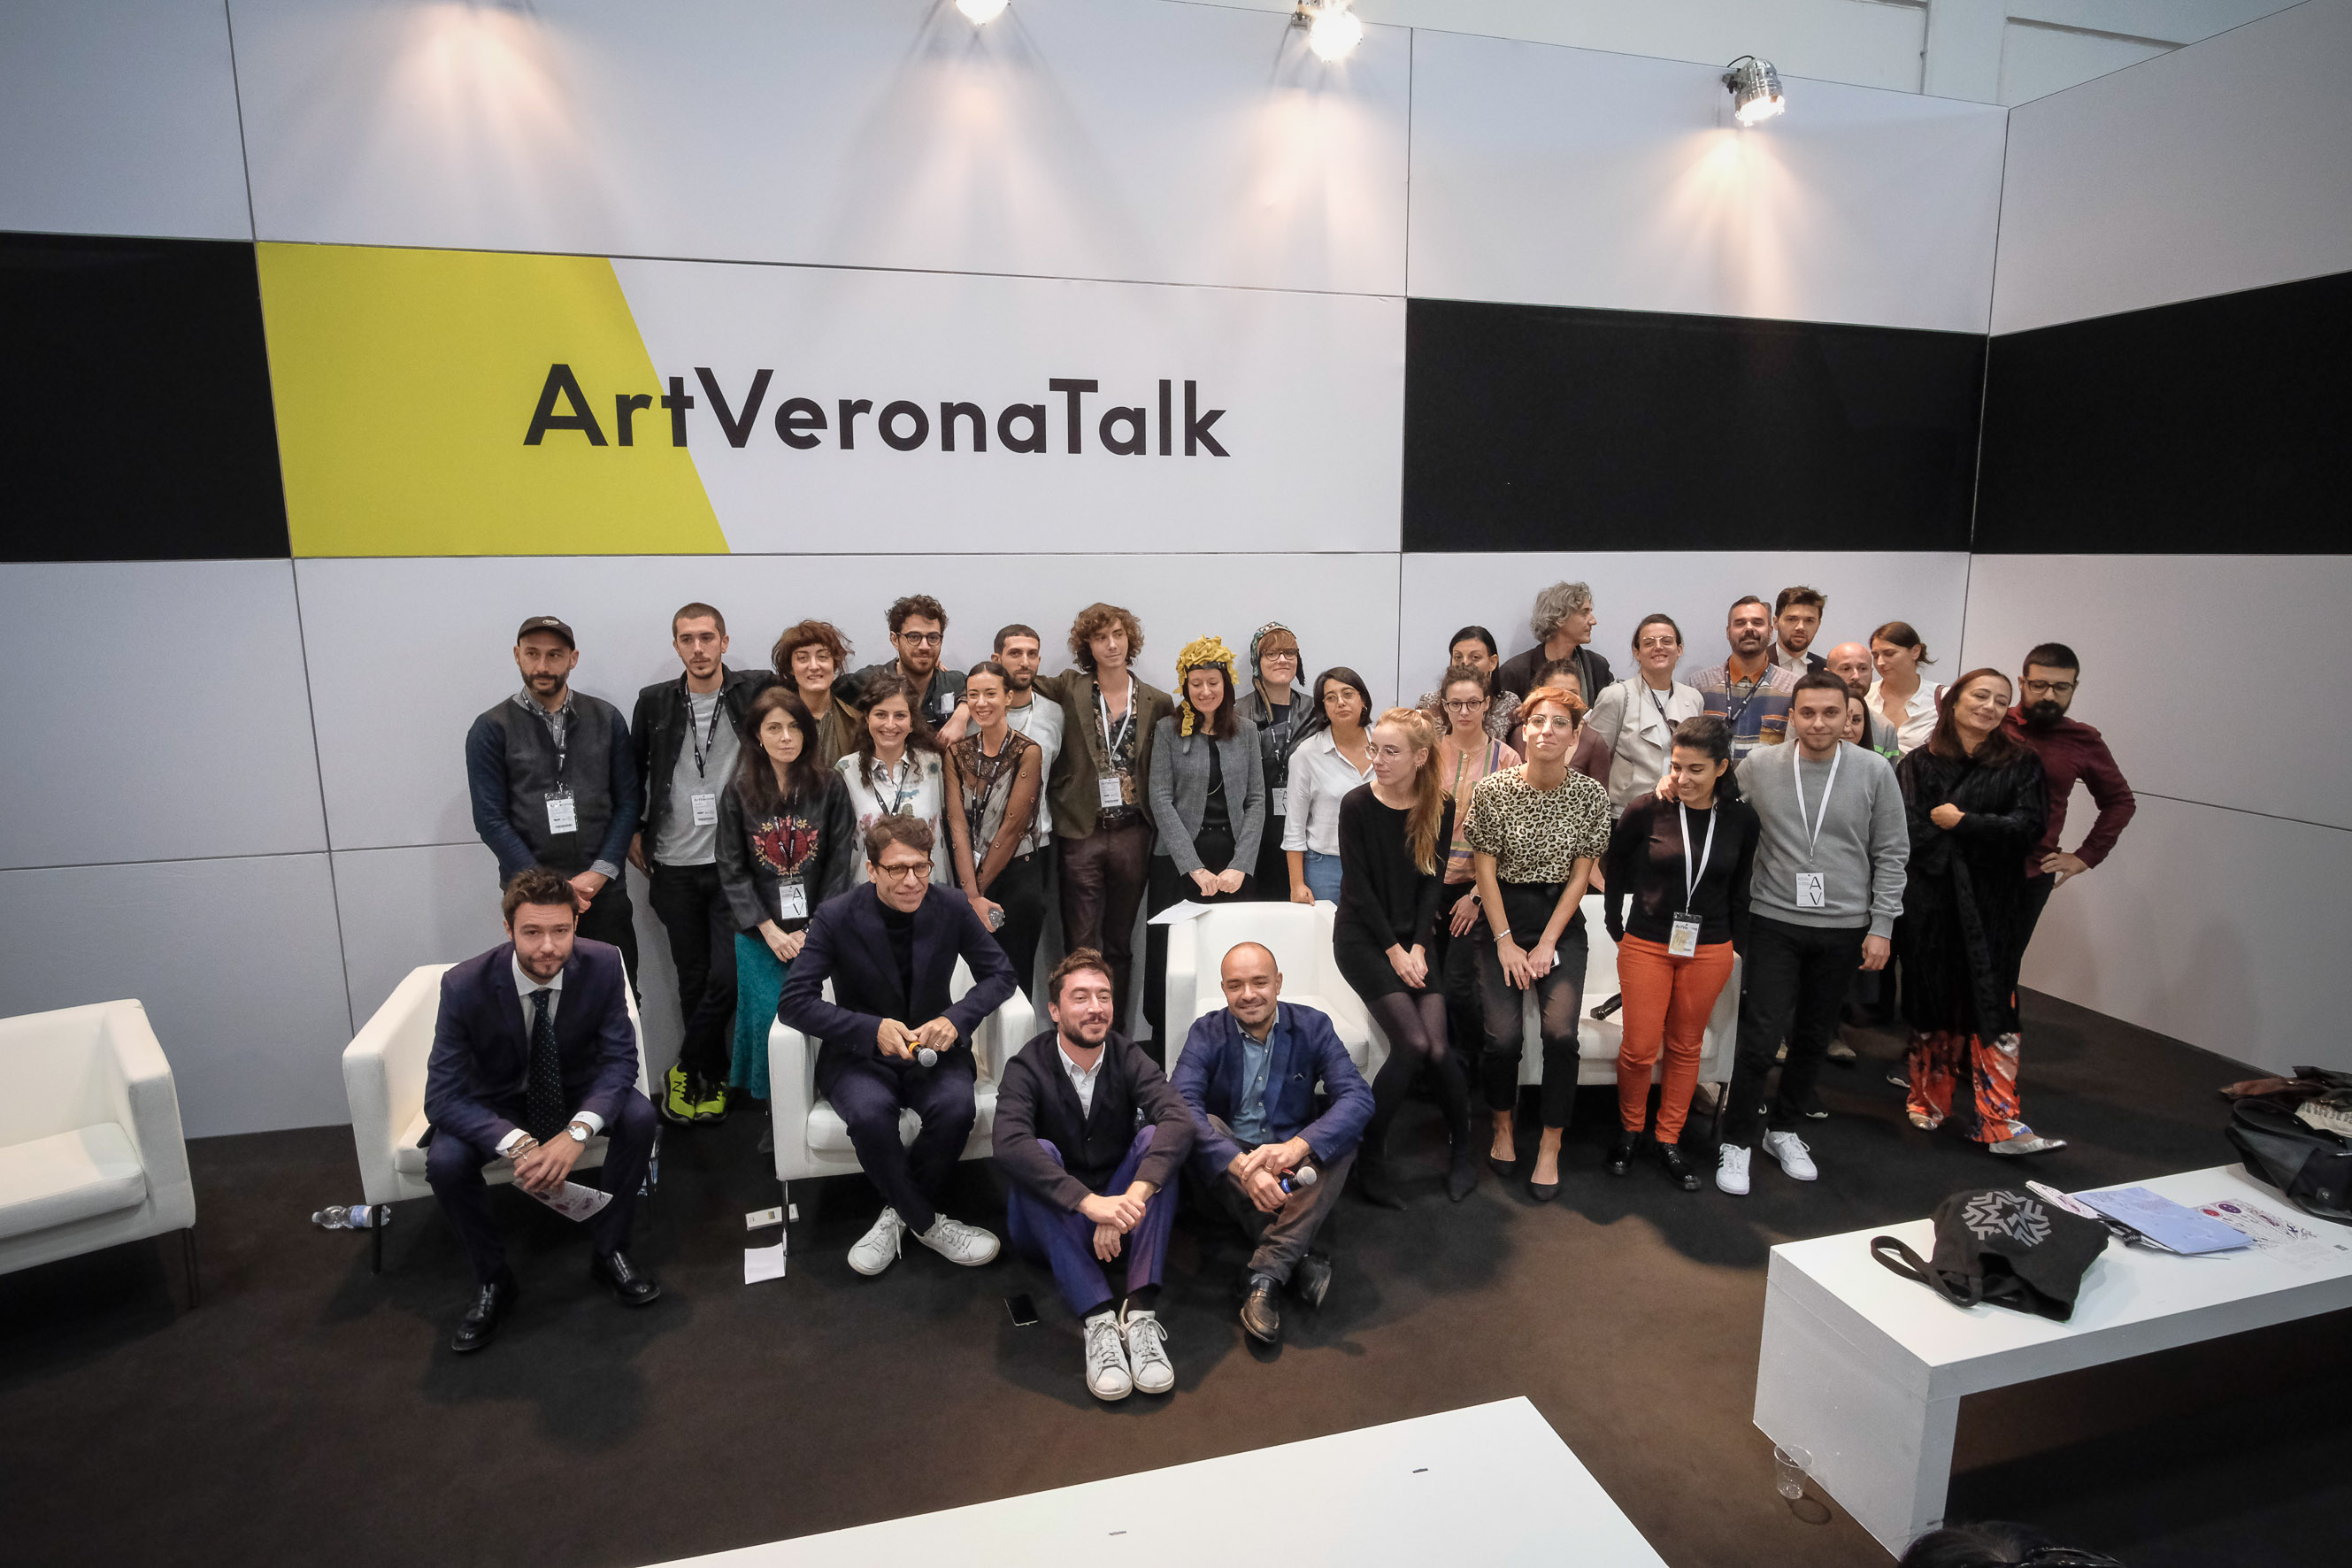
{"x":2069,"y":751}
{"x":918,"y":629}
{"x":890,"y":950}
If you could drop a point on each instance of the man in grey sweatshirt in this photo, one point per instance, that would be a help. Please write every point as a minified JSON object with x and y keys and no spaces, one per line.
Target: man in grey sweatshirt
{"x":1826,"y":888}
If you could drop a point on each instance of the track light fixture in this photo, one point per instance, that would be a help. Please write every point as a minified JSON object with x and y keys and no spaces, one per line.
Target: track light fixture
{"x":1755,"y":90}
{"x":1333,"y":28}
{"x":980,"y":12}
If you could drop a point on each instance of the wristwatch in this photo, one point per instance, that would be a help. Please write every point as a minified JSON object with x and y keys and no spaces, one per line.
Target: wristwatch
{"x":579,"y":1130}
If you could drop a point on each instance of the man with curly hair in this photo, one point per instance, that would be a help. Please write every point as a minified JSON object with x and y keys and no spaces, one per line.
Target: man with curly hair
{"x":918,"y":629}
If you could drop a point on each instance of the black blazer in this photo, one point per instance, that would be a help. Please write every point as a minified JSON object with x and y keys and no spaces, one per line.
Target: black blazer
{"x":849,"y":944}
{"x":481,"y":1065}
{"x":1036,"y":1100}
{"x":658,"y":728}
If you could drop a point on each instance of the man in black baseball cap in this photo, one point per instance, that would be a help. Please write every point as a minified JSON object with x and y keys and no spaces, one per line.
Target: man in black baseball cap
{"x":554,"y":782}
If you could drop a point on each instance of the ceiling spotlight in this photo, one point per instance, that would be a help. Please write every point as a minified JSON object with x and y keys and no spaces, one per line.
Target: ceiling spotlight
{"x":1755,"y":90}
{"x":982,"y":12}
{"x":1333,"y":28}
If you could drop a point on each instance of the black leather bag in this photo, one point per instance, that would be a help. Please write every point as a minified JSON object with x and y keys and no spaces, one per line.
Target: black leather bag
{"x":2311,"y":1168}
{"x":2004,"y":1247}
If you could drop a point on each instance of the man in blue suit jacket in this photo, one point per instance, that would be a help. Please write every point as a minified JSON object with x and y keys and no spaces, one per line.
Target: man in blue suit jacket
{"x":890,"y":950}
{"x":1249,"y":1073}
{"x":533,"y":1055}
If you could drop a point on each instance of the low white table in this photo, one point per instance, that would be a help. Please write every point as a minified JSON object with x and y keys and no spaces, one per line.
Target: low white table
{"x":1866,"y":1369}
{"x":1388,"y":1494}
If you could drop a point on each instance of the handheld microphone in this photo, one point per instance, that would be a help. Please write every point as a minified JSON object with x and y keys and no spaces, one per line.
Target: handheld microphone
{"x":1302,"y":1174}
{"x":926,"y":1057}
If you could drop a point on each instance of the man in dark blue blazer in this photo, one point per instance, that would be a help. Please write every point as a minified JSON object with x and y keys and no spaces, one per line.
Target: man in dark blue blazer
{"x":1248,"y":1072}
{"x":533,"y":1055}
{"x":890,"y":949}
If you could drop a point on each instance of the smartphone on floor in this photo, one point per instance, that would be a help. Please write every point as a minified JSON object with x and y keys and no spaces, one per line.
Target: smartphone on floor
{"x":1023,"y":1310}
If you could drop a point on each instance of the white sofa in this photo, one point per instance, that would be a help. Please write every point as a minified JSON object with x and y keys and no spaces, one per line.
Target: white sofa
{"x":383,"y":1075}
{"x":812,"y":1140}
{"x":1300,"y":939}
{"x":91,"y":1154}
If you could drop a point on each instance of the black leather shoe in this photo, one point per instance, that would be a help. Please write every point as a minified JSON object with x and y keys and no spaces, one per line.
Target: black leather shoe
{"x":1462,"y":1171}
{"x":634,"y":1290}
{"x":1372,"y":1181}
{"x":1262,"y":1310}
{"x":1310,"y":1279}
{"x":1678,"y":1169}
{"x":1620,"y":1153}
{"x":480,"y":1324}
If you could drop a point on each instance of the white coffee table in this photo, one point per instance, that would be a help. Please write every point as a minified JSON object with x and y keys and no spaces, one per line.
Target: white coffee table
{"x":1392,"y":1494}
{"x":1866,"y":1369}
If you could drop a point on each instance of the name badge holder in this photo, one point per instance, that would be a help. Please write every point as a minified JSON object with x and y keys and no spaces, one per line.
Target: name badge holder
{"x":1681,"y":937}
{"x":704,"y":803}
{"x":1281,"y":793}
{"x":562,"y":812}
{"x":1109,"y":793}
{"x":1813,"y":887}
{"x":1110,"y":789}
{"x":792,"y":898}
{"x":706,"y":808}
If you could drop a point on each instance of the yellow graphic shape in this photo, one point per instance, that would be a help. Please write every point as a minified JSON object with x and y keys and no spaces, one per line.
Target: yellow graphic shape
{"x":405,"y":382}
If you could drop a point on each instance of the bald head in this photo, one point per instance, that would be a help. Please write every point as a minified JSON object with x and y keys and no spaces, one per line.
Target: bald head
{"x":1850,"y":662}
{"x":1252,"y":986}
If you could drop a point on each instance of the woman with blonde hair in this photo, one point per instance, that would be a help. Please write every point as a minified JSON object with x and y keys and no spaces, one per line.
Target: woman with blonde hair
{"x":1393,"y":836}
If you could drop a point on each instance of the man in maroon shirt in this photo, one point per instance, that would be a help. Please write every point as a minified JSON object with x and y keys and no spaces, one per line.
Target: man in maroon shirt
{"x":2069,"y":751}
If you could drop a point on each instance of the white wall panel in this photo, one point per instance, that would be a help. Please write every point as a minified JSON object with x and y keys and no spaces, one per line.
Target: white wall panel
{"x":236,"y":962}
{"x":2200,"y":926}
{"x":119,"y":119}
{"x":2222,"y":166}
{"x":2162,"y":637}
{"x":439,"y":904}
{"x":153,"y":710}
{"x":1074,"y":138}
{"x":1865,"y":589}
{"x":412,"y":649}
{"x":1561,"y":176}
{"x":1311,"y":389}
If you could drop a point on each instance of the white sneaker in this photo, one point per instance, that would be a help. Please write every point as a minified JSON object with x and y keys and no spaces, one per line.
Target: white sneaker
{"x":1107,"y":1378}
{"x":1147,"y":1351}
{"x":1731,"y":1171}
{"x":878,"y":1247}
{"x":957,"y":1242}
{"x":1794,"y":1157}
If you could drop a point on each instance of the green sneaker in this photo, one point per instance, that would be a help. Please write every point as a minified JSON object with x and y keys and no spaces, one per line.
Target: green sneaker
{"x":679,"y":1095}
{"x":712,"y":1108}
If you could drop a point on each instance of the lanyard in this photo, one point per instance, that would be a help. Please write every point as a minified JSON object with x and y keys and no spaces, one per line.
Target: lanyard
{"x":1669,"y":723}
{"x":704,"y":745}
{"x":1111,"y":744}
{"x":1813,"y":828}
{"x":1690,"y":881}
{"x":559,"y":730}
{"x":904,"y":792}
{"x":1763,"y":681}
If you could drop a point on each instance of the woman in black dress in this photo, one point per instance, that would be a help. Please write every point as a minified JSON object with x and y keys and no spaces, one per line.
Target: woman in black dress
{"x":1974,"y":798}
{"x":1392,"y":837}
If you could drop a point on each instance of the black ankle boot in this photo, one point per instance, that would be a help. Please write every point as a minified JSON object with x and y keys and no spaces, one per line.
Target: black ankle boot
{"x":1462,"y":1169}
{"x":1620,"y":1153}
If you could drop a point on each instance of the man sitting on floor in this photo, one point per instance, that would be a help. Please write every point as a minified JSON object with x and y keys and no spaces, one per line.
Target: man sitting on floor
{"x":890,"y":950}
{"x":1248,"y":1074}
{"x":1089,"y":1184}
{"x":533,"y":1055}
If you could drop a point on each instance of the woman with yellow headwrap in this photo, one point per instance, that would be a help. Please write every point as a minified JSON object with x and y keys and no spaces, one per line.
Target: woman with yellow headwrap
{"x":1207,"y":796}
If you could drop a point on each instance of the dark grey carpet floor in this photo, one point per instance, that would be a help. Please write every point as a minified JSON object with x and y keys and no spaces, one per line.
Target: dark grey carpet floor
{"x":309,"y":1412}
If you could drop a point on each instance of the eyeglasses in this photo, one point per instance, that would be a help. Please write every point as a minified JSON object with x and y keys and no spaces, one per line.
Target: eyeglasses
{"x":1542,"y":722}
{"x":906,"y":873}
{"x":1465,"y":704}
{"x":923,"y":639}
{"x":2050,"y":688}
{"x":1284,"y":655}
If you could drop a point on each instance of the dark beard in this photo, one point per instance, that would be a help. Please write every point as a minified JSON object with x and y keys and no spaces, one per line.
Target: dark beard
{"x":2042,"y":715}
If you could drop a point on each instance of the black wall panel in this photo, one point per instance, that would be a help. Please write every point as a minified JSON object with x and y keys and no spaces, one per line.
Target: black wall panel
{"x":1534,"y":427}
{"x":135,"y":420}
{"x":2220,"y":425}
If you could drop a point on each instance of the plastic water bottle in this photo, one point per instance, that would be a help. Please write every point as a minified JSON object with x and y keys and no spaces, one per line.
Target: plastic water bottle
{"x":352,"y":1216}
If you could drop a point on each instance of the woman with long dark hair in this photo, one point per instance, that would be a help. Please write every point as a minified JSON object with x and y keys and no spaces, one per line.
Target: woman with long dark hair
{"x":1393,"y":834}
{"x":1331,"y":761}
{"x":999,"y":774}
{"x":898,"y":769}
{"x":786,"y":844}
{"x":1974,"y":799}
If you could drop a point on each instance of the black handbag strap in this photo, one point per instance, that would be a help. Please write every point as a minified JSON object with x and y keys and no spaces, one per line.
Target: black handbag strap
{"x":1913,"y":1267}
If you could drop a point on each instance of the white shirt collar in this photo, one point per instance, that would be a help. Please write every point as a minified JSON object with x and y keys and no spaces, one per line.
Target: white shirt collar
{"x":525,"y":984}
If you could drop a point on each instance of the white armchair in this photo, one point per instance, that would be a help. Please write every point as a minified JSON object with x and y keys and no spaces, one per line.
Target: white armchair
{"x":91,"y":1154}
{"x":1299,"y":937}
{"x":383,"y":1075}
{"x":812,"y":1140}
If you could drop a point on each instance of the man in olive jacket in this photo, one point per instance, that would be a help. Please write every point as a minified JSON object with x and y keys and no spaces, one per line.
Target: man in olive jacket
{"x":1093,"y":1136}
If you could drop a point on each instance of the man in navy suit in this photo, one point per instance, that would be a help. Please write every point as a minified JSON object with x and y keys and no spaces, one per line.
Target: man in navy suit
{"x":534,"y":1055}
{"x":890,"y":950}
{"x":1249,"y":1073}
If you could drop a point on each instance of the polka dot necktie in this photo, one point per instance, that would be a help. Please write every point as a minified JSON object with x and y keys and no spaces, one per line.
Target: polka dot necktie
{"x":543,"y":1095}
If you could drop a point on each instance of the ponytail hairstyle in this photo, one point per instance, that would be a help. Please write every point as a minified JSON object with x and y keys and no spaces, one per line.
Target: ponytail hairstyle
{"x":1428,"y":794}
{"x":920,"y":735}
{"x":1900,"y":633}
{"x":755,"y":774}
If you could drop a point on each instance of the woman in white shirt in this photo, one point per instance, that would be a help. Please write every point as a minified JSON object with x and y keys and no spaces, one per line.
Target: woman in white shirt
{"x":1635,"y":718}
{"x":1334,"y":758}
{"x":898,"y":770}
{"x":1898,"y":696}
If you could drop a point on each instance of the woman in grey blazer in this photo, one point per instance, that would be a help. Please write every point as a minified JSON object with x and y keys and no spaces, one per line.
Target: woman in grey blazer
{"x":1207,"y":795}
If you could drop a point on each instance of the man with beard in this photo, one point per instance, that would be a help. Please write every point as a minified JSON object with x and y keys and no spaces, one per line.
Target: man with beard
{"x":1796,"y":621}
{"x":918,"y":629}
{"x":554,"y":781}
{"x":2069,"y":751}
{"x":1021,"y":651}
{"x":1850,"y":662}
{"x":1748,"y":691}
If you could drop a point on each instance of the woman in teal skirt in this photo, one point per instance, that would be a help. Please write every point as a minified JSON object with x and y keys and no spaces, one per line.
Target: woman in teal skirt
{"x":786,"y":845}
